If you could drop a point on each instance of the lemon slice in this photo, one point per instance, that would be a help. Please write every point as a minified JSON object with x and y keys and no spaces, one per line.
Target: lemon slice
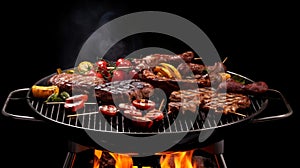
{"x":84,"y":67}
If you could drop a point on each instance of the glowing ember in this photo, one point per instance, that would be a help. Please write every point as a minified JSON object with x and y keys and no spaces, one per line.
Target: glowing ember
{"x":178,"y":160}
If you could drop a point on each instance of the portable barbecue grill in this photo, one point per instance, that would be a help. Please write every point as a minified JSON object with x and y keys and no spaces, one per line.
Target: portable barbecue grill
{"x":110,"y":129}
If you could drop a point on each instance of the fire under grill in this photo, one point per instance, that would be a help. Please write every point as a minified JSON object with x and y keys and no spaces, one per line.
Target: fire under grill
{"x":90,"y":119}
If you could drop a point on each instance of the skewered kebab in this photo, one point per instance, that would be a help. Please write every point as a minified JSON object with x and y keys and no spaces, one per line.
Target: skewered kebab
{"x":254,"y":88}
{"x":207,"y":99}
{"x":163,"y":75}
{"x":154,"y":59}
{"x":197,"y":75}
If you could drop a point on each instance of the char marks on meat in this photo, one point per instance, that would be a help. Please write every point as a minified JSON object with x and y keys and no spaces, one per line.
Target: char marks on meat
{"x":123,"y":91}
{"x":206,"y":99}
{"x":254,"y":88}
{"x":75,"y":82}
{"x":154,"y":59}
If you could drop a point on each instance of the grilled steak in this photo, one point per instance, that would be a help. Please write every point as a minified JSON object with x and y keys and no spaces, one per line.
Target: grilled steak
{"x":75,"y":82}
{"x":123,"y":91}
{"x":154,"y":59}
{"x":206,"y":99}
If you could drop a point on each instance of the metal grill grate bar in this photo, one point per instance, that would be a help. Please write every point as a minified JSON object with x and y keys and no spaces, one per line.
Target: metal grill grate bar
{"x":120,"y":124}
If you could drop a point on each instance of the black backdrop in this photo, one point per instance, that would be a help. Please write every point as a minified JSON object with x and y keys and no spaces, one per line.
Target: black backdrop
{"x":258,"y":39}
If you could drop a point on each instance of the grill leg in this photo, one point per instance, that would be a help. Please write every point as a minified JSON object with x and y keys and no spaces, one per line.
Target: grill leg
{"x":220,"y":161}
{"x":70,"y":159}
{"x":74,"y":148}
{"x":217,"y":150}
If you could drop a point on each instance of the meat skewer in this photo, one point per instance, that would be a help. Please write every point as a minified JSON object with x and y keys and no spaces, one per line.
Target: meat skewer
{"x":154,"y":59}
{"x":254,"y":88}
{"x":206,"y":99}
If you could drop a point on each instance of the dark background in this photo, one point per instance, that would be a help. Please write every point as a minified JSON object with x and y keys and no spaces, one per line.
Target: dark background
{"x":258,"y":39}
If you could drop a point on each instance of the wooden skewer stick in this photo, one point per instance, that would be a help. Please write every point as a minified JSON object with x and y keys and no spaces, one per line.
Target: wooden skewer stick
{"x":161,"y":104}
{"x":237,"y":113}
{"x":125,"y":67}
{"x":64,"y":103}
{"x":75,"y":115}
{"x":197,"y":58}
{"x":225,"y":60}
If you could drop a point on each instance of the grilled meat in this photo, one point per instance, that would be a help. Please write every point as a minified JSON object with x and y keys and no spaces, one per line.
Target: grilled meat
{"x":191,"y":69}
{"x":206,"y":99}
{"x":123,"y":91}
{"x":197,"y":75}
{"x":252,"y":88}
{"x":183,"y":107}
{"x":154,"y":59}
{"x":170,"y":85}
{"x":75,"y":82}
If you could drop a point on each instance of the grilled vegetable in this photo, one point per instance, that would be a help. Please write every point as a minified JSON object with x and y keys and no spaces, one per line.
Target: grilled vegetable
{"x":54,"y":98}
{"x":225,"y":75}
{"x":73,"y":107}
{"x":44,"y":91}
{"x":76,"y":102}
{"x":144,"y":104}
{"x":64,"y":95}
{"x":155,"y":115}
{"x":172,"y":69}
{"x":108,"y":110}
{"x":141,"y":122}
{"x":163,"y":71}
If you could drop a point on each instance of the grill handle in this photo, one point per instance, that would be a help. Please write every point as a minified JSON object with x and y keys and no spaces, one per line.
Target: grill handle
{"x":280,"y":116}
{"x":12,"y":98}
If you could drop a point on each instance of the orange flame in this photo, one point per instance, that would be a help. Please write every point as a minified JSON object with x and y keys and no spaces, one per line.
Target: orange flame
{"x":170,"y":160}
{"x":178,"y":160}
{"x":122,"y":160}
{"x":97,"y":156}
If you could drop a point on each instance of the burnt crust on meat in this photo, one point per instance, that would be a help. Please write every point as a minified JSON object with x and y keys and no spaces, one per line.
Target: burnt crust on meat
{"x":154,"y":59}
{"x":123,"y":91}
{"x":75,"y":82}
{"x":207,"y":99}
